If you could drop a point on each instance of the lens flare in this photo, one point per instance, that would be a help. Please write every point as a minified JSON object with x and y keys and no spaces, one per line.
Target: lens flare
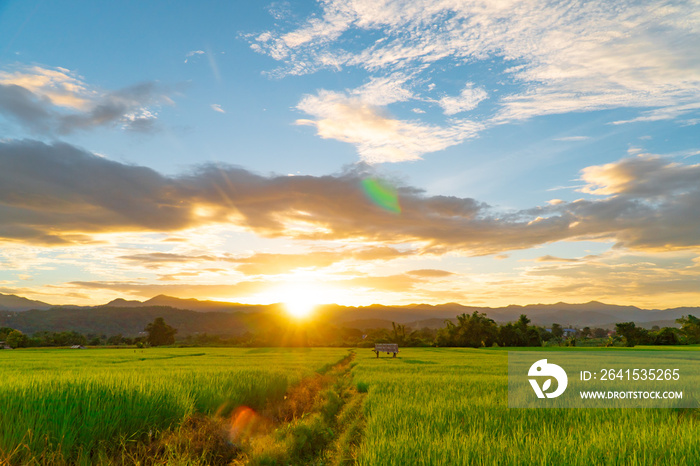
{"x":382,"y":194}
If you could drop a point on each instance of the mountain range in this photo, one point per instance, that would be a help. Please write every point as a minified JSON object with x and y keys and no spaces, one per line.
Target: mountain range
{"x":129,"y":317}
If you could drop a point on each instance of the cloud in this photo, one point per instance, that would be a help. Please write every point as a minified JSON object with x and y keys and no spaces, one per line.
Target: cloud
{"x":272,"y":264}
{"x":392,"y":283}
{"x":468,"y":99}
{"x":555,"y":202}
{"x":549,"y":258}
{"x":384,"y":90}
{"x":58,"y":194}
{"x":552,"y":58}
{"x":148,"y":290}
{"x":47,"y":101}
{"x":626,"y":277}
{"x":155,"y":259}
{"x":378,"y":136}
{"x":217,"y":108}
{"x":430,"y":273}
{"x":573,"y":138}
{"x":645,"y":176}
{"x":193,"y":53}
{"x":59,"y":86}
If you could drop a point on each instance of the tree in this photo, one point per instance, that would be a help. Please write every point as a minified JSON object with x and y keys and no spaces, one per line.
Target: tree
{"x":522,"y":323}
{"x":508,"y":335}
{"x":399,"y":333}
{"x":666,"y":336}
{"x":115,"y":340}
{"x":557,"y":331}
{"x":473,"y":330}
{"x":4,"y":332}
{"x":690,"y":327}
{"x":160,"y":333}
{"x":533,"y":337}
{"x":17,"y":339}
{"x":631,"y":334}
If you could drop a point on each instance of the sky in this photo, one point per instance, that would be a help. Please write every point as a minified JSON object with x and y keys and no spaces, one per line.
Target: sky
{"x":419,"y":151}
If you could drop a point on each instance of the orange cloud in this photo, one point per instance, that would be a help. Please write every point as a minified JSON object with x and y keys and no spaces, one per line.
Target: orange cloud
{"x":58,"y":194}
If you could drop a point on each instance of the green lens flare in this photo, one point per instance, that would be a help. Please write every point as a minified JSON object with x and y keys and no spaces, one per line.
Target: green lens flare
{"x":382,"y":194}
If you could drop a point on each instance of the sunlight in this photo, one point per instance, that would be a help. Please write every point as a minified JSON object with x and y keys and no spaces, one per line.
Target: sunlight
{"x":301,"y":299}
{"x":300,"y":307}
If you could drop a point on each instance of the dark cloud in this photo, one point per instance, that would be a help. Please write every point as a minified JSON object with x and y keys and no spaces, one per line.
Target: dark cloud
{"x":38,"y":114}
{"x":26,"y":108}
{"x":55,"y":194}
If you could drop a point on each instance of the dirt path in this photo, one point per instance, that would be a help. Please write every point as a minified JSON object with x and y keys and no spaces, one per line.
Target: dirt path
{"x":319,"y":422}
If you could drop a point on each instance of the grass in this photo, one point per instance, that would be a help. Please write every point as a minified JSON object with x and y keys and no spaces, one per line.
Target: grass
{"x":429,"y":406}
{"x":449,"y":406}
{"x":71,"y":406}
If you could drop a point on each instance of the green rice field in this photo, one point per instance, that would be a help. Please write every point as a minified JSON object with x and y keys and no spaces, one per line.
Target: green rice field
{"x":449,"y":406}
{"x":60,"y":405}
{"x":431,"y":406}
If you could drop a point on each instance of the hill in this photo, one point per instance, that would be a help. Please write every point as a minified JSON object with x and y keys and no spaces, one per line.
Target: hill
{"x":10,"y":302}
{"x":127,"y":321}
{"x":194,"y":316}
{"x":190,"y":304}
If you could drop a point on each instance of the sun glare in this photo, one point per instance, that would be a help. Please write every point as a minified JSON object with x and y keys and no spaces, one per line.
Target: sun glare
{"x":300,"y":308}
{"x":300,"y":301}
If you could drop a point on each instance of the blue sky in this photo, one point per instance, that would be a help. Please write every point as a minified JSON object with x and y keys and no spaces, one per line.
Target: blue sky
{"x":540,"y":152}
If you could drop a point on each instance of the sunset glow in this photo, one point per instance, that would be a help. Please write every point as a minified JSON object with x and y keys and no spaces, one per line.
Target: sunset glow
{"x":449,"y":152}
{"x":301,"y":301}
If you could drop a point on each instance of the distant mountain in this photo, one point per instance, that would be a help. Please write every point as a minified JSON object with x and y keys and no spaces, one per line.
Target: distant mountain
{"x":127,"y":321}
{"x":592,"y":314}
{"x":128,"y":316}
{"x":190,"y":304}
{"x":10,"y":302}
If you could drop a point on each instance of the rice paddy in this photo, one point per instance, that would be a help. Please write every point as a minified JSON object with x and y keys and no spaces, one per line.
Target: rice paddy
{"x":448,"y":406}
{"x":61,"y":406}
{"x":431,"y":406}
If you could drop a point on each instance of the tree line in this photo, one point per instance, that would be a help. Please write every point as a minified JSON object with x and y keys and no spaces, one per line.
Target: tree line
{"x":157,"y":333}
{"x":629,"y":334}
{"x":477,"y":330}
{"x":470,"y":330}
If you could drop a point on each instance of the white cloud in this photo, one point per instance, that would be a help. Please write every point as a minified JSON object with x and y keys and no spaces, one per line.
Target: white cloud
{"x":664,"y":113}
{"x":60,"y":86}
{"x":217,"y":108}
{"x":378,"y":136}
{"x":468,"y":99}
{"x":193,"y":53}
{"x":565,"y":57}
{"x":384,"y":90}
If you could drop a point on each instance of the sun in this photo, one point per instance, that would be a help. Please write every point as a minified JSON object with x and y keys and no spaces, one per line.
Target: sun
{"x":300,"y":301}
{"x":300,"y":308}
